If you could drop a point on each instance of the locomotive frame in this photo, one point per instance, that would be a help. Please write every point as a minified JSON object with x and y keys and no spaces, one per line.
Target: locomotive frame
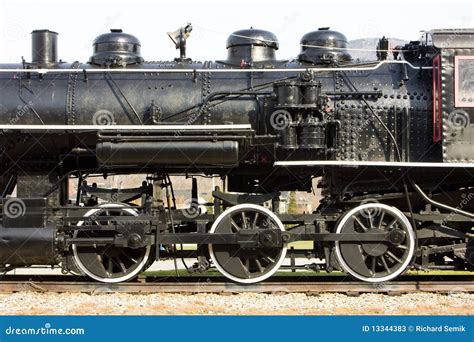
{"x":268,"y":126}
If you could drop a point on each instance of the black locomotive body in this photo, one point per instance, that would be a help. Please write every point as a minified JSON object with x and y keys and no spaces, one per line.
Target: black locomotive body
{"x":391,"y":141}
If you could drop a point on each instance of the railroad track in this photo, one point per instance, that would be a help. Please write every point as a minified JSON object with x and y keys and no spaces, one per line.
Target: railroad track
{"x":279,"y":285}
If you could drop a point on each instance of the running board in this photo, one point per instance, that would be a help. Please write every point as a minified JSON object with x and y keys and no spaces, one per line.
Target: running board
{"x":126,"y":127}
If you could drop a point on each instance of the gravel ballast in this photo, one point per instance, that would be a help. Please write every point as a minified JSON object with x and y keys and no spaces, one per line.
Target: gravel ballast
{"x":30,"y":303}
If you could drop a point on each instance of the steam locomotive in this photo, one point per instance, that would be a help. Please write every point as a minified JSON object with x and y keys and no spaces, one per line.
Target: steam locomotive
{"x":390,"y":141}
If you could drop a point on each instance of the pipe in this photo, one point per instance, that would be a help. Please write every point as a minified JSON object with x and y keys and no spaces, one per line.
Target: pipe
{"x":165,"y":153}
{"x":437,"y":204}
{"x":182,"y":71}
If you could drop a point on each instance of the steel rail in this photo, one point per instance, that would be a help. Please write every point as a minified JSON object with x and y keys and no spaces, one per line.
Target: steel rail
{"x":205,"y":285}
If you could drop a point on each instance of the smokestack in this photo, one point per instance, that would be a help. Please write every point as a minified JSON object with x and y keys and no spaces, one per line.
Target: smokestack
{"x":44,"y":47}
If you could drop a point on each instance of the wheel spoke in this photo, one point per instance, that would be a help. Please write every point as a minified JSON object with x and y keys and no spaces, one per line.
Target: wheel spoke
{"x":267,"y":257}
{"x":391,"y":255}
{"x":232,"y":222}
{"x":381,"y":220}
{"x":360,"y":223}
{"x":121,"y":264}
{"x":242,"y":267}
{"x":371,"y":221}
{"x":244,"y":220}
{"x":126,"y":254}
{"x":259,"y":265}
{"x":100,"y":262}
{"x":110,"y":266}
{"x":391,"y":224}
{"x":374,"y":262}
{"x":254,"y":224}
{"x":247,"y":264}
{"x":384,"y":262}
{"x":268,"y":260}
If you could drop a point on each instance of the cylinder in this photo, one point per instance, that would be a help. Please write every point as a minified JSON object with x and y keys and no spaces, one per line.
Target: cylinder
{"x":27,"y":246}
{"x":289,"y":138}
{"x":311,"y":134}
{"x":311,"y":93}
{"x":44,"y":47}
{"x":288,"y":94}
{"x":164,"y":153}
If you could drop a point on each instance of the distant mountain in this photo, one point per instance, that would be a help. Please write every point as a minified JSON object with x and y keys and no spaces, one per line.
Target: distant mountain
{"x":370,"y":44}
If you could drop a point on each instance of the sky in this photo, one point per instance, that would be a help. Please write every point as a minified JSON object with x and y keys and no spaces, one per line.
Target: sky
{"x":79,"y":22}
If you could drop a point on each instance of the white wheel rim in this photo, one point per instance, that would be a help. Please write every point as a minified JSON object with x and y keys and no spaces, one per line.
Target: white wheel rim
{"x":411,"y":238}
{"x":277,"y":264}
{"x":84,"y":269}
